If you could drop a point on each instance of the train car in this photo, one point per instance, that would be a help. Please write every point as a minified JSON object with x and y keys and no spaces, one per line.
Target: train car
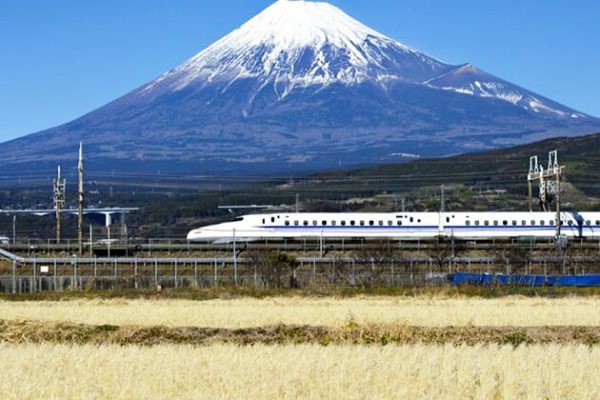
{"x":398,"y":225}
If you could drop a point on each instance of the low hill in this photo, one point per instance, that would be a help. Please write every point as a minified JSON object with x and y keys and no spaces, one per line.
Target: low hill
{"x":493,"y":180}
{"x":503,"y":168}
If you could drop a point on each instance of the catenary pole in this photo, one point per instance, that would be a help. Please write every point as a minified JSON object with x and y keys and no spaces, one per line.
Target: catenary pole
{"x":80,"y":192}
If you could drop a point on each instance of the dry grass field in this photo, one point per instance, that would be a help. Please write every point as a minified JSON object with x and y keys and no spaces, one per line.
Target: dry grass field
{"x":308,"y":372}
{"x":431,"y":347}
{"x":331,"y":312}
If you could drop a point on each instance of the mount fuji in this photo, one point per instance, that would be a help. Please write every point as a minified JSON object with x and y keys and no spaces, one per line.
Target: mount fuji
{"x":301,"y":86}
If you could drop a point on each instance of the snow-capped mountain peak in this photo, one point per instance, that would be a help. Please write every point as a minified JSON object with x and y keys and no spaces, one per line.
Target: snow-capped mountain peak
{"x":294,"y":45}
{"x":298,"y":24}
{"x":299,"y":44}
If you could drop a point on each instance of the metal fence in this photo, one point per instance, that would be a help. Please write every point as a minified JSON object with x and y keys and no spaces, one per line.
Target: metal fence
{"x":26,"y":275}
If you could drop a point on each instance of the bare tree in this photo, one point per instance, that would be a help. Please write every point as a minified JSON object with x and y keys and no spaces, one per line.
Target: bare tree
{"x":443,"y":250}
{"x":272,"y":268}
{"x":374,"y":258}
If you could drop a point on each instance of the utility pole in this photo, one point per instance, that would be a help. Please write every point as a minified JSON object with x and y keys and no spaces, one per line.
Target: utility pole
{"x":80,"y":191}
{"x":59,"y":201}
{"x":534,"y":170}
{"x":443,"y":200}
{"x":543,"y":191}
{"x":555,"y":169}
{"x":124,"y":234}
{"x":108,"y":223}
{"x":235,"y":270}
{"x":91,"y":241}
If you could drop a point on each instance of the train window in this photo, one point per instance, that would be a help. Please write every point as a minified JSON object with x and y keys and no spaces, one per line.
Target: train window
{"x":371,"y":223}
{"x":514,"y":222}
{"x":495,"y":223}
{"x":380,"y":223}
{"x":390,"y":223}
{"x":324,"y":223}
{"x":486,"y":223}
{"x":287,"y":223}
{"x":305,"y":223}
{"x":343,"y":223}
{"x":468,"y":223}
{"x":352,"y":223}
{"x":362,"y":223}
{"x":412,"y":219}
{"x":296,"y":223}
{"x":505,"y":222}
{"x":588,"y":223}
{"x":447,"y":219}
{"x":272,"y":219}
{"x":477,"y":223}
{"x":263,"y":220}
{"x":523,"y":222}
{"x":399,"y":223}
{"x":333,"y":223}
{"x":597,"y":222}
{"x":542,"y":222}
{"x":562,"y":223}
{"x":570,"y":223}
{"x":315,"y":223}
{"x":419,"y":221}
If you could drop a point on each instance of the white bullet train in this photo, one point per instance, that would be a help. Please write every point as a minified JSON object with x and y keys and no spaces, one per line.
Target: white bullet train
{"x":398,"y":225}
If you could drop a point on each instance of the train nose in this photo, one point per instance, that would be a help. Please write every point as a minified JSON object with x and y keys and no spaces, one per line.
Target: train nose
{"x":195,"y":234}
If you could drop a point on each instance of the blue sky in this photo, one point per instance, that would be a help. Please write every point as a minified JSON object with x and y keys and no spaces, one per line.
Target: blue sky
{"x":60,"y":59}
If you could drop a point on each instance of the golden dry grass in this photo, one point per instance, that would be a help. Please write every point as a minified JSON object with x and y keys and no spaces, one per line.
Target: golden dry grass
{"x":307,"y":371}
{"x":98,"y":367}
{"x":331,"y":312}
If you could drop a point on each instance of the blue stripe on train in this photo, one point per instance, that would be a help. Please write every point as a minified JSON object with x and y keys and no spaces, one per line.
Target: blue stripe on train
{"x":529,"y":227}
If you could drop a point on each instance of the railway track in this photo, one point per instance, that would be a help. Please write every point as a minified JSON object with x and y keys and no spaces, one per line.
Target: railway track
{"x":175,"y":246}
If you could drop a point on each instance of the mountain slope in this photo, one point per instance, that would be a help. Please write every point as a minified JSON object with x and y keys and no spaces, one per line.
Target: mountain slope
{"x":301,"y":86}
{"x":496,"y":167}
{"x":470,"y":80}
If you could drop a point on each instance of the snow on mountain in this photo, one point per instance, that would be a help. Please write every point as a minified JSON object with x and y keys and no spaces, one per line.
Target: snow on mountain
{"x":300,"y":87}
{"x":470,"y":80}
{"x":298,"y":44}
